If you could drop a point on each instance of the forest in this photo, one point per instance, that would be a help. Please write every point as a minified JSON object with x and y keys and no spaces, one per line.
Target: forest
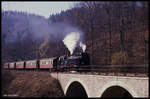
{"x":114,"y":33}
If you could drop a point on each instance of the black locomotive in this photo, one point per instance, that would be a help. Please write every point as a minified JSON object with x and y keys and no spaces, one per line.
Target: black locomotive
{"x":74,"y":62}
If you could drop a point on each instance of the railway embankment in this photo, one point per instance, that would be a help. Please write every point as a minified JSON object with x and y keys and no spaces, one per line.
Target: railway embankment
{"x":30,"y":84}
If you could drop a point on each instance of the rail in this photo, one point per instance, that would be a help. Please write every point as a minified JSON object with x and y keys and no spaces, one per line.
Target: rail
{"x":143,"y":69}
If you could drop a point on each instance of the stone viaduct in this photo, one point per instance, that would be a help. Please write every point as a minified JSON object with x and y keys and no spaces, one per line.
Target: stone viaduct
{"x":91,"y":85}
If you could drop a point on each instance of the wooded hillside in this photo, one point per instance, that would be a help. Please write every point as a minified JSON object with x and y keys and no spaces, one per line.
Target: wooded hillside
{"x":114,"y":32}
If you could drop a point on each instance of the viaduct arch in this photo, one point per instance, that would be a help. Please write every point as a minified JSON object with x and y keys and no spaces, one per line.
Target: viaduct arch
{"x":76,"y":89}
{"x":102,"y":86}
{"x":111,"y":89}
{"x":116,"y":91}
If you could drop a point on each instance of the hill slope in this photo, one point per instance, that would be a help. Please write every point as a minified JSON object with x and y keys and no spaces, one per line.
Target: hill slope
{"x":30,"y":84}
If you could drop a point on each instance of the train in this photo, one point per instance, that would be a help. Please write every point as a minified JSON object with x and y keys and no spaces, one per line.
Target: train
{"x":60,"y":63}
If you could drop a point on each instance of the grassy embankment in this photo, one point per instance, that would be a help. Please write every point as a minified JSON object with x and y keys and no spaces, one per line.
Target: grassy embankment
{"x":30,"y":84}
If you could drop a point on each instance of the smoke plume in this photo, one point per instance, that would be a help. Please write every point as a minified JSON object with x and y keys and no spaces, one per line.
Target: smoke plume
{"x":83,"y":46}
{"x":71,"y":40}
{"x":39,"y":28}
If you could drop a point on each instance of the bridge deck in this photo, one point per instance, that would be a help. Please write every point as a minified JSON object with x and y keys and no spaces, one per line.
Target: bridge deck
{"x":108,"y":74}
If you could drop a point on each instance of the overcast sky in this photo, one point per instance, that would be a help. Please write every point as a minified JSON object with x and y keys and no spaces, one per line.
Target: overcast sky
{"x":39,"y":8}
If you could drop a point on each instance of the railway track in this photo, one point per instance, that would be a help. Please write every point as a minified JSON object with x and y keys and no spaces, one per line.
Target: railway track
{"x":47,"y":72}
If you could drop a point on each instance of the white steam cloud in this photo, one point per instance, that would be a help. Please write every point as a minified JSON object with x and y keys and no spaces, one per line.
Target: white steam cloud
{"x":71,"y":41}
{"x":83,"y":46}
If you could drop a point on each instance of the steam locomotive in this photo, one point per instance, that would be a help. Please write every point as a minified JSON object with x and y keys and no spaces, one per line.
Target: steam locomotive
{"x":54,"y":63}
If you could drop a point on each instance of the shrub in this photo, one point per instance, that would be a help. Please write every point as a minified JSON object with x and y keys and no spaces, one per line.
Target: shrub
{"x":119,"y":58}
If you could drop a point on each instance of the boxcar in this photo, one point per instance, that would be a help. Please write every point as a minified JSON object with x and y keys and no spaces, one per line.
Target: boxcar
{"x":46,"y":63}
{"x":31,"y":64}
{"x":12,"y":65}
{"x":20,"y":65}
